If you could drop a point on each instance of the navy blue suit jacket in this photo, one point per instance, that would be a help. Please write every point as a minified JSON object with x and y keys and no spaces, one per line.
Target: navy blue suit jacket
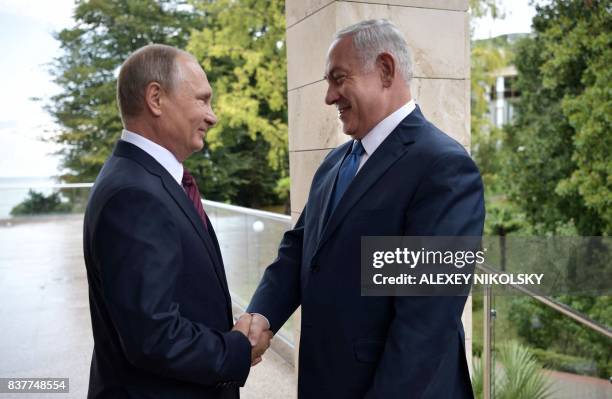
{"x":159,"y":301}
{"x":419,"y":182}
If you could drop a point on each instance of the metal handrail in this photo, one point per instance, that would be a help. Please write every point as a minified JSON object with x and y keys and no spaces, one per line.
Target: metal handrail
{"x":556,"y":305}
{"x":49,"y":185}
{"x":214,"y":204}
{"x":248,"y":211}
{"x":547,"y":301}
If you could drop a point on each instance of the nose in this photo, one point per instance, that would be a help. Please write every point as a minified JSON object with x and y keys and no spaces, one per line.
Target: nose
{"x":331,"y":97}
{"x":211,"y":118}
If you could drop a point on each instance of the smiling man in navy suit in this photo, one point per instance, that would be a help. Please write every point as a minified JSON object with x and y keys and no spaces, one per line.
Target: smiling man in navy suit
{"x":399,"y":175}
{"x":159,"y":301}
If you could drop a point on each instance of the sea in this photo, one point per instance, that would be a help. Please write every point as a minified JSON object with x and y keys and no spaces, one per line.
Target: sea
{"x":13,"y":190}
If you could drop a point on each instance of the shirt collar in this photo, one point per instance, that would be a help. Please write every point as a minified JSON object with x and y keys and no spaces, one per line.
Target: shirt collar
{"x":159,"y":153}
{"x":380,"y":132}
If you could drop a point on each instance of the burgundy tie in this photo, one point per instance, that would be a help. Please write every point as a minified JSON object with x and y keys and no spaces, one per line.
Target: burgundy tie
{"x":191,"y":188}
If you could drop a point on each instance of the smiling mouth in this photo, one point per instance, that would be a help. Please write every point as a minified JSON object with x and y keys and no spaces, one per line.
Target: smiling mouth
{"x":342,"y":110}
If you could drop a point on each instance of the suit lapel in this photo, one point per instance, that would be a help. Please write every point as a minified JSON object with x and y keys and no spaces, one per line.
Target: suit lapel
{"x":389,"y":151}
{"x":189,"y":210}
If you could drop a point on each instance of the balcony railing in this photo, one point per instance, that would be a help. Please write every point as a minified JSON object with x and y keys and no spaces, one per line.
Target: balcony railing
{"x":248,"y":238}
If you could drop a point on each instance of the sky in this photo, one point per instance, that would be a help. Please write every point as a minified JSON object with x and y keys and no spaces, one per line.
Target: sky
{"x":27,"y":47}
{"x":517,"y":19}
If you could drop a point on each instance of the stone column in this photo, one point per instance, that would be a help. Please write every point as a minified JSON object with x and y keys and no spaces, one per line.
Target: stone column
{"x":437,"y":32}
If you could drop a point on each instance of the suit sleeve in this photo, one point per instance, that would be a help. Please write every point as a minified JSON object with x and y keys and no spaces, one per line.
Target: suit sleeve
{"x":425,"y":330}
{"x":136,"y":245}
{"x":278,"y":293}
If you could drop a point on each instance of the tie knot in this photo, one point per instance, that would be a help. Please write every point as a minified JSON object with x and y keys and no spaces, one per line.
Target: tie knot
{"x":357,"y":148}
{"x":187,"y":178}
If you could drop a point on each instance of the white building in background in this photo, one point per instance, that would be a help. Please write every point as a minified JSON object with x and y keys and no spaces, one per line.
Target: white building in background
{"x":502,"y":96}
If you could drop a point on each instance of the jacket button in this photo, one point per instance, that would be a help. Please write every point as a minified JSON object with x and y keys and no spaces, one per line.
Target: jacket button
{"x":315,"y":268}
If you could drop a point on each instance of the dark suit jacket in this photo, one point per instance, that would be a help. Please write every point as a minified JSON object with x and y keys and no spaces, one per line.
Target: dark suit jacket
{"x":159,"y":302}
{"x":419,"y":182}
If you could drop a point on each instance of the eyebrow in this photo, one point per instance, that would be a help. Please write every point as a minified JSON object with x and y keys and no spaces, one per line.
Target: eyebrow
{"x":332,"y":73}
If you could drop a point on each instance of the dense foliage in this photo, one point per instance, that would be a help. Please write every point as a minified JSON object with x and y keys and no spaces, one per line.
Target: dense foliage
{"x":559,"y":169}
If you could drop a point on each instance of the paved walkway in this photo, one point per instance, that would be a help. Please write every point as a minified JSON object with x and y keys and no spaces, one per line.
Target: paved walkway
{"x":572,"y":386}
{"x":45,"y":328}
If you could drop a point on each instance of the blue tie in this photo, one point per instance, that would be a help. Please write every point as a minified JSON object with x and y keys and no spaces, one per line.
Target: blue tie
{"x":347,"y":172}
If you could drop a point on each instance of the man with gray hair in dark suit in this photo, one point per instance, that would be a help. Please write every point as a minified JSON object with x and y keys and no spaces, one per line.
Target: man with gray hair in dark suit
{"x":399,"y":175}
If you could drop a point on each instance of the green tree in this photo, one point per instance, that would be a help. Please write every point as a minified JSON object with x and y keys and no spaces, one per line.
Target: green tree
{"x":559,"y":169}
{"x":242,"y":46}
{"x":481,"y":8}
{"x":488,"y":56}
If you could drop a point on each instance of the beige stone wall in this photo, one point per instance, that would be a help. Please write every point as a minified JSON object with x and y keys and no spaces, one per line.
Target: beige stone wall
{"x":437,"y":32}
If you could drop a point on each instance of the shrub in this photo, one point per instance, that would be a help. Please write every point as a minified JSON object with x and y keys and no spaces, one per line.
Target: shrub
{"x":38,"y":203}
{"x":521,"y":377}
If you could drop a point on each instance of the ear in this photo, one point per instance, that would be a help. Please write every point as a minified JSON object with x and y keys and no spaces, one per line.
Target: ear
{"x":386,"y":65}
{"x":153,"y":98}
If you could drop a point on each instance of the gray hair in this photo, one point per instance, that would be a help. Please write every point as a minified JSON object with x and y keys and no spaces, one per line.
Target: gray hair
{"x":151,"y":63}
{"x":376,"y":36}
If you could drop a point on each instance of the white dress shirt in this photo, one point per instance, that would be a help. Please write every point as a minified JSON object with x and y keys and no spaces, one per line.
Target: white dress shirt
{"x":159,"y":153}
{"x":380,"y":132}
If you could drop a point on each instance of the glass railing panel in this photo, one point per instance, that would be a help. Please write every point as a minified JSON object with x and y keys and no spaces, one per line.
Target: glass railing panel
{"x":531,"y":342}
{"x":248,"y":238}
{"x":249,"y":242}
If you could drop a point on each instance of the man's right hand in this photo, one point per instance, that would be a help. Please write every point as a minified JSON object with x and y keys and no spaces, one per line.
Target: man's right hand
{"x":243,"y":324}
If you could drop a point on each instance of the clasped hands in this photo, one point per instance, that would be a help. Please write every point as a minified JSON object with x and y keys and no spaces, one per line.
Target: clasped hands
{"x":256,"y":329}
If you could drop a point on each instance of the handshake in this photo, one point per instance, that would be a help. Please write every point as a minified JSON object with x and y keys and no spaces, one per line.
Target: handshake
{"x":256,"y":328}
